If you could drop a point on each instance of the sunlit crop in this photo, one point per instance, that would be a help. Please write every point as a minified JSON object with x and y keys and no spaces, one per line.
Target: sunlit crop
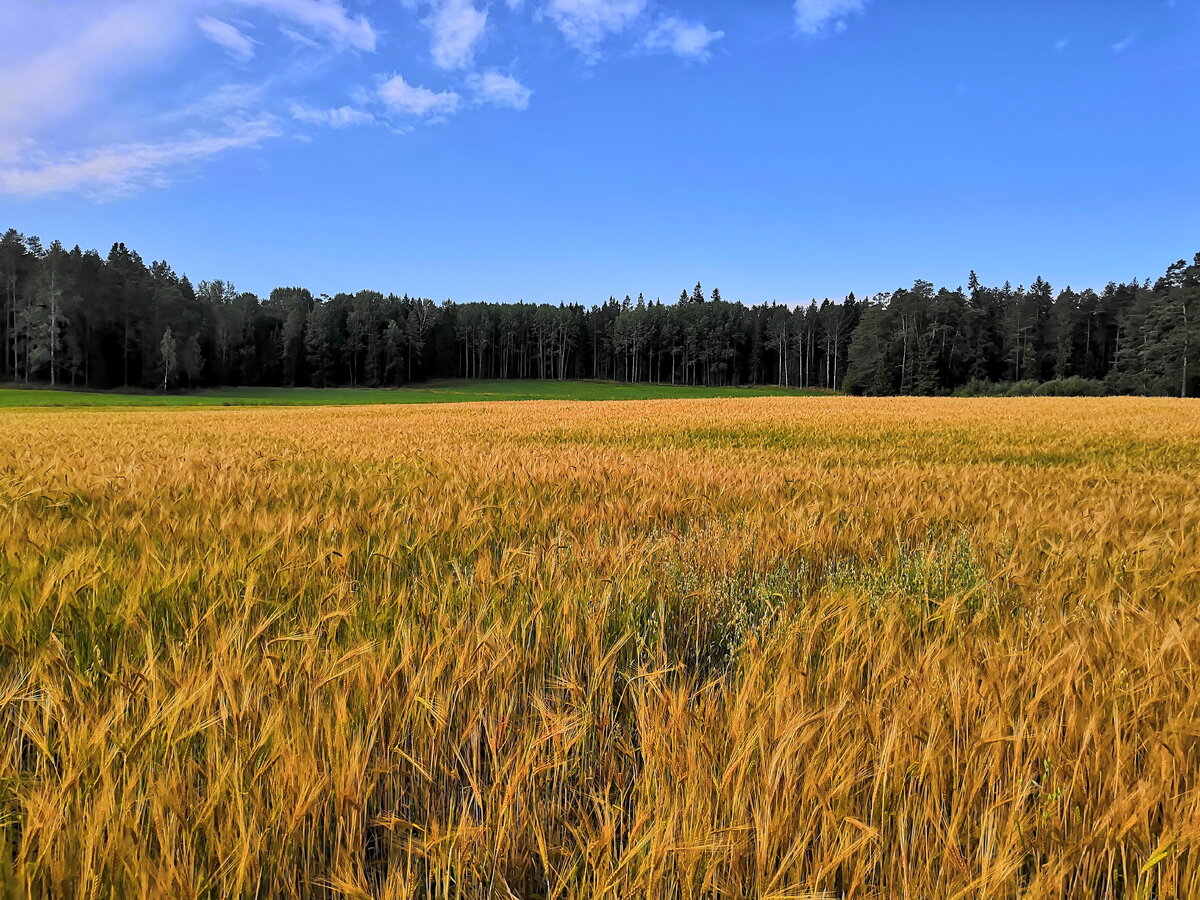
{"x":671,"y":649}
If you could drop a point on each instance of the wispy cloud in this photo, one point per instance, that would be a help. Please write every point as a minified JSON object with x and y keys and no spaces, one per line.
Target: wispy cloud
{"x":586,"y":23}
{"x":1124,"y":43}
{"x":217,"y":105}
{"x":121,"y":169}
{"x":302,"y":39}
{"x":456,"y":27}
{"x":78,"y":62}
{"x":401,"y":97}
{"x":224,"y":35}
{"x":1061,"y":44}
{"x":500,"y":90}
{"x":337,"y":117}
{"x":816,"y":17}
{"x":684,"y":39}
{"x":327,"y":19}
{"x":45,"y":85}
{"x":59,"y":119}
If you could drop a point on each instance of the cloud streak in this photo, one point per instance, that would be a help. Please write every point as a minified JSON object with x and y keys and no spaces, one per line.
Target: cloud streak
{"x":227,"y":37}
{"x":50,"y":84}
{"x":327,"y":19}
{"x":122,"y":169}
{"x":1125,"y":43}
{"x":338,"y":117}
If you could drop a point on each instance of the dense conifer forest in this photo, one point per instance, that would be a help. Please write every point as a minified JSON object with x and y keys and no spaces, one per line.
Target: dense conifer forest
{"x":76,"y":318}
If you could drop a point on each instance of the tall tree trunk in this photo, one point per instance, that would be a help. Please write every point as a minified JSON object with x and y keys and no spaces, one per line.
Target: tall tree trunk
{"x":837,"y":346}
{"x":1183,"y":386}
{"x":53,"y":328}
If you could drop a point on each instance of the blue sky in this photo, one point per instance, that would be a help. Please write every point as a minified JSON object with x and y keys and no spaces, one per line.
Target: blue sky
{"x":559,"y":150}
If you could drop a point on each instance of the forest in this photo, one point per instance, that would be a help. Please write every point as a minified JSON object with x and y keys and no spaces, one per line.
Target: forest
{"x":76,"y":318}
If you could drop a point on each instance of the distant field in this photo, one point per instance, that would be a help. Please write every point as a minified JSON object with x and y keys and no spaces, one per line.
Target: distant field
{"x":452,"y":391}
{"x":853,"y":648}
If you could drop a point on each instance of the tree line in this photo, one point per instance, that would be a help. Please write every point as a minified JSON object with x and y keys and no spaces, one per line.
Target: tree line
{"x":73,"y":317}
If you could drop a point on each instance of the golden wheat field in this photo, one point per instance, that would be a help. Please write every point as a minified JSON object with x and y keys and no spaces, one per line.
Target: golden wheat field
{"x":772,"y":648}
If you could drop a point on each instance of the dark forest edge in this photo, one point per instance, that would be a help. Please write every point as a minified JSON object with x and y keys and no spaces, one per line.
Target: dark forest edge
{"x":74,"y":318}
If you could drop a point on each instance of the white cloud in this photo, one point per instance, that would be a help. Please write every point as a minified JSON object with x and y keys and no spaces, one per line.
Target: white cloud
{"x":586,"y":23}
{"x":339,"y":117}
{"x":326,"y":18}
{"x":402,"y":97}
{"x":457,"y":27}
{"x":1124,"y":43}
{"x":225,"y":35}
{"x":684,"y":39}
{"x":126,"y":168}
{"x":500,"y":90}
{"x":1061,"y":44}
{"x":815,"y":16}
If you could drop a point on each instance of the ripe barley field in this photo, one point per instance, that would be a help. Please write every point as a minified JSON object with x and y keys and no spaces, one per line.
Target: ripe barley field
{"x":717,"y":648}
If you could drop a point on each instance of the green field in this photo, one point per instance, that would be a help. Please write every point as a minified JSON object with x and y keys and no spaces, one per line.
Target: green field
{"x":449,"y":391}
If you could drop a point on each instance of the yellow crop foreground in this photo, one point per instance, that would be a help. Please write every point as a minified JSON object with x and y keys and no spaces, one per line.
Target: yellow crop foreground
{"x":774,"y":648}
